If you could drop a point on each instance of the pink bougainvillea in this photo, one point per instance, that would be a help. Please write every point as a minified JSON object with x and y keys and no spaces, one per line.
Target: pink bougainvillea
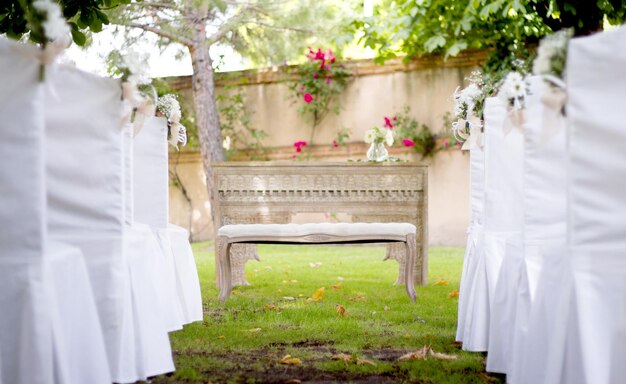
{"x":408,"y":142}
{"x":308,"y":98}
{"x":299,"y":145}
{"x":388,"y":122}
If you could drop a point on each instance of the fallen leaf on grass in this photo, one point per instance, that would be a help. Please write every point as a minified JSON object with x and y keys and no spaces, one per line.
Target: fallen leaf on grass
{"x":315,"y":265}
{"x":357,"y":298}
{"x":318,"y":295}
{"x":343,"y":357}
{"x":341,"y":310}
{"x":339,"y":278}
{"x":441,"y":356}
{"x":386,"y":308}
{"x":270,"y":307}
{"x":221,"y":337}
{"x":288,"y":360}
{"x":420,"y":354}
{"x":441,"y":282}
{"x":254,"y":330}
{"x":364,"y":361}
{"x":454,"y":293}
{"x":336,"y":287}
{"x":424,"y":353}
{"x":289,"y":298}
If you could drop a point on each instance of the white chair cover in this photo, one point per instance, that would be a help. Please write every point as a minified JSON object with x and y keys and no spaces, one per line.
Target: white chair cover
{"x":151,"y":198}
{"x":596,"y":318}
{"x":49,"y":328}
{"x":503,"y":220}
{"x":544,"y":234}
{"x":86,"y":195}
{"x":473,"y":293}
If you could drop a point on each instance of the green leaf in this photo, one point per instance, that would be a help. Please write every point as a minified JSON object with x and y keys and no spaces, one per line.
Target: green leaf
{"x":79,"y":37}
{"x":435,"y":42}
{"x":456,"y":48}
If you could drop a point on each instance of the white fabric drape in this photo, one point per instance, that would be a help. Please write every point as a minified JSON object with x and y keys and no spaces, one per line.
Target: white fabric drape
{"x":49,"y":327}
{"x":85,"y":164}
{"x":544,"y":234}
{"x":502,"y":227}
{"x":473,"y":294}
{"x":151,"y":199}
{"x":595,"y":341}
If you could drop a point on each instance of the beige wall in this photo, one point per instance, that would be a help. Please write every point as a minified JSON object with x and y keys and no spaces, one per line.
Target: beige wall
{"x":425,"y":86}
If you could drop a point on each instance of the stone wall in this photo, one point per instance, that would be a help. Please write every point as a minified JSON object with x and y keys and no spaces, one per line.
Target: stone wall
{"x":425,"y":85}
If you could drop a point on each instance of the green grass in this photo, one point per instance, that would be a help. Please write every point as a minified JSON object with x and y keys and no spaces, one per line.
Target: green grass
{"x":382,"y":324}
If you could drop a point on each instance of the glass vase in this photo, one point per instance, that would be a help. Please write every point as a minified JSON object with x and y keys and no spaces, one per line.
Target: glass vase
{"x":377,"y":152}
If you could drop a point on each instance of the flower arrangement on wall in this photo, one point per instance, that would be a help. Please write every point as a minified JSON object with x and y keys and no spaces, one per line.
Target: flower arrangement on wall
{"x":322,"y":78}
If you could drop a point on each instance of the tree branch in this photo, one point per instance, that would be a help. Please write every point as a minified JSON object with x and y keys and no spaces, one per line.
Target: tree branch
{"x":165,"y":34}
{"x":146,"y":4}
{"x":226,"y":27}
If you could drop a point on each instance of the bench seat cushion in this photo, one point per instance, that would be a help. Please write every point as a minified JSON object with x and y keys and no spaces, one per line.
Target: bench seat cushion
{"x":331,"y":229}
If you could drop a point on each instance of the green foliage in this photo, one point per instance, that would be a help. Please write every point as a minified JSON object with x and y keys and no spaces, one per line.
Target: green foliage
{"x":322,"y":78}
{"x":507,"y":27}
{"x":407,"y":127}
{"x":382,"y":324}
{"x":236,"y":125}
{"x":82,"y":16}
{"x":276,"y":35}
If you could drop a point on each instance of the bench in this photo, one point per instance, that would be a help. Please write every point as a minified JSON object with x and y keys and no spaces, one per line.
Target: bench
{"x":318,"y":233}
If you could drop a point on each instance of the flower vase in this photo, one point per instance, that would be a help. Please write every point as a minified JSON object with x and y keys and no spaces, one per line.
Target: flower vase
{"x":377,"y":152}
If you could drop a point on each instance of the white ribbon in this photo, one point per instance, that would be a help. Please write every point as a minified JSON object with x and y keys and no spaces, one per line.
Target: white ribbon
{"x":53,"y":49}
{"x":514,"y":119}
{"x":473,"y":136}
{"x":178,"y":134}
{"x":135,"y":101}
{"x":553,"y":99}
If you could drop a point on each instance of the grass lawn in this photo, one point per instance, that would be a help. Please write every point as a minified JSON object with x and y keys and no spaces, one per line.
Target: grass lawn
{"x":245,"y":339}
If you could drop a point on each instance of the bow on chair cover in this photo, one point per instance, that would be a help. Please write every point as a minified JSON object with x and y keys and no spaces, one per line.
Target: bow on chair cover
{"x":151,"y":199}
{"x":49,"y":327}
{"x":544,"y":234}
{"x":502,"y":226}
{"x":87,"y":196}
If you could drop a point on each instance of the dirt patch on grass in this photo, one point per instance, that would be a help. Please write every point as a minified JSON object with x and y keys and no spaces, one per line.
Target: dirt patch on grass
{"x":262,"y":366}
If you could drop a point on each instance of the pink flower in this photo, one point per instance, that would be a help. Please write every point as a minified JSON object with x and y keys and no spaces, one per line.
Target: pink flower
{"x":330,"y":56}
{"x":335,"y":143}
{"x":408,"y":142}
{"x":315,"y":75}
{"x":299,"y":145}
{"x":446,"y":143}
{"x":308,"y":98}
{"x":388,"y":123}
{"x":302,"y":88}
{"x":328,"y":80}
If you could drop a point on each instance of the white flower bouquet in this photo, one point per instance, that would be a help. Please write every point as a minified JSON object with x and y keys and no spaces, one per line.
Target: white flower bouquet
{"x":467,"y":109}
{"x":379,"y":135}
{"x":552,"y":56}
{"x":169,"y":106}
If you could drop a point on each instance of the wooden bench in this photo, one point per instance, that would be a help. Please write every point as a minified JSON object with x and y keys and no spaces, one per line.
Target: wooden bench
{"x":319,"y":233}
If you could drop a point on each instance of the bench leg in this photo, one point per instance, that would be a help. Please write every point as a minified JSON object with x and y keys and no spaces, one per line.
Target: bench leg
{"x":223,"y":268}
{"x":409,"y":272}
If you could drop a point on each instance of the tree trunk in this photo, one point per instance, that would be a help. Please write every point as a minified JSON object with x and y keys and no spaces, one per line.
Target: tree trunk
{"x":207,"y":119}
